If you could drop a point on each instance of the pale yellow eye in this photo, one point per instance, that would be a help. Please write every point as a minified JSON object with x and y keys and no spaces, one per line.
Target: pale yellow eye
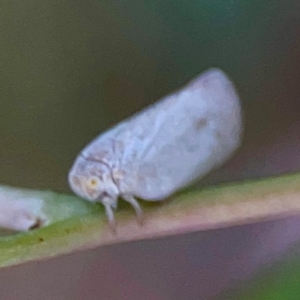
{"x":93,"y":182}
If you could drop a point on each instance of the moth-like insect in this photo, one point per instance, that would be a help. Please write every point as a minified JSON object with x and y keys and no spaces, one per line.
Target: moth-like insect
{"x":163,"y":148}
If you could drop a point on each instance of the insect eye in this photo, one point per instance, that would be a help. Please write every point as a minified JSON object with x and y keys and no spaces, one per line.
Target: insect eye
{"x":93,"y":182}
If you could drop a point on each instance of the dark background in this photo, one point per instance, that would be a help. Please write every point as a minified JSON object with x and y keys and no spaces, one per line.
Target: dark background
{"x":71,"y":69}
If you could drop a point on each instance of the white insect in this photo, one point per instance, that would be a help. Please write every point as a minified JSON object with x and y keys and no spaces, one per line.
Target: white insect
{"x":164,"y":148}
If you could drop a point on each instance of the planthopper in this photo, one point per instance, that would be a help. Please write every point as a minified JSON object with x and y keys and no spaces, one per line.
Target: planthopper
{"x":162,"y":149}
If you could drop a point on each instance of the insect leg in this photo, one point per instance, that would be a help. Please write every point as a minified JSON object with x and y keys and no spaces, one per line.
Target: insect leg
{"x":139,"y":213}
{"x":110,"y":215}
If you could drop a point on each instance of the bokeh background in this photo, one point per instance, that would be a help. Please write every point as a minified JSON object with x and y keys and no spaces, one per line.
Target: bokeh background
{"x":71,"y":69}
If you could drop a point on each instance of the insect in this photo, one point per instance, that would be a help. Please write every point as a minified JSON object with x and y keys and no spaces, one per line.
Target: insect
{"x":163,"y":148}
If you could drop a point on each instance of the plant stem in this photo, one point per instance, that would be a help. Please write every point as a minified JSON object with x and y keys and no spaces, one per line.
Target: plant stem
{"x":74,"y":224}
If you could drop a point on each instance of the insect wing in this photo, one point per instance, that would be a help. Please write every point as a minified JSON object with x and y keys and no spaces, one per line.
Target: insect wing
{"x":188,"y":134}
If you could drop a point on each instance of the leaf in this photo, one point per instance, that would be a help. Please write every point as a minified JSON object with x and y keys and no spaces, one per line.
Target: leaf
{"x":75,"y":224}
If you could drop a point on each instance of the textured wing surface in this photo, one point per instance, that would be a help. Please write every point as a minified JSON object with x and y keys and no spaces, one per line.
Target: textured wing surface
{"x":175,"y":141}
{"x":186,"y":135}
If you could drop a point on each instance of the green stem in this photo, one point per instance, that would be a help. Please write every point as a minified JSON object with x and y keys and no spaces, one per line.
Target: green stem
{"x":75,"y":224}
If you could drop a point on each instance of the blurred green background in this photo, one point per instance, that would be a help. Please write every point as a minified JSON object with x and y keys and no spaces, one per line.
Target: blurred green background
{"x":71,"y":69}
